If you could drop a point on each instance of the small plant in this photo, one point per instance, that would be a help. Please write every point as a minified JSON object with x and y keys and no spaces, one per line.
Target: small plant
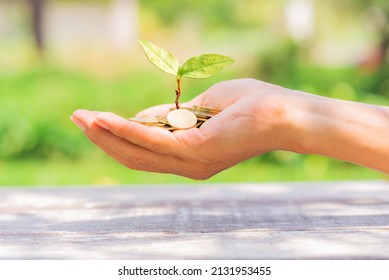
{"x":197,"y":67}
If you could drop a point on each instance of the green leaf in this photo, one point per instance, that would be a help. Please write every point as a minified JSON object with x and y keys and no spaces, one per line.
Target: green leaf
{"x":204,"y":66}
{"x":160,"y":58}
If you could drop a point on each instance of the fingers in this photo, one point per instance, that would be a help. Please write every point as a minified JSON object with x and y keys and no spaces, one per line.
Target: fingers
{"x":125,"y":152}
{"x":151,"y":138}
{"x":130,"y":155}
{"x":179,"y":143}
{"x":84,"y":119}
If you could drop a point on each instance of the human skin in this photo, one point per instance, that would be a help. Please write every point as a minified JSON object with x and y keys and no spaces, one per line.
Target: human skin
{"x":256,"y":118}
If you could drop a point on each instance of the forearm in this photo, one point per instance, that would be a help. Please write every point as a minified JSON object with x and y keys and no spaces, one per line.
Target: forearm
{"x":345,"y":130}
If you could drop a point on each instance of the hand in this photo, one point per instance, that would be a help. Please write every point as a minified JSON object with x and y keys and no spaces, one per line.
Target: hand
{"x":252,"y":122}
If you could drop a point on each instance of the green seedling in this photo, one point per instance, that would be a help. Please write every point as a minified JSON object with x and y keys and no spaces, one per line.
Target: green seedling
{"x":197,"y":67}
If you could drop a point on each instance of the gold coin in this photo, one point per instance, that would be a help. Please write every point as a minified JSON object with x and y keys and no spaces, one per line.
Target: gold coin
{"x":144,"y":120}
{"x":186,"y":117}
{"x":181,"y":119}
{"x":198,"y":124}
{"x":206,"y":110}
{"x":162,"y":119}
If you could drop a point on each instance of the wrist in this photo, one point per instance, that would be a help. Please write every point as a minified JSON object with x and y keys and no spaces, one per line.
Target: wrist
{"x":281,"y":118}
{"x":300,"y":121}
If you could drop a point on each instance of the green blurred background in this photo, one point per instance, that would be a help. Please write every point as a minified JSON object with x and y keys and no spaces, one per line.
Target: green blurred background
{"x":59,"y":56}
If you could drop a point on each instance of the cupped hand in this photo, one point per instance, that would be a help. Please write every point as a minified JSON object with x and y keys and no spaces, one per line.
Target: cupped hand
{"x":252,"y":122}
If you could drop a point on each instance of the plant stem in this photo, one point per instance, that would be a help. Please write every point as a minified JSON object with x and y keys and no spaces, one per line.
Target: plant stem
{"x":178,"y":93}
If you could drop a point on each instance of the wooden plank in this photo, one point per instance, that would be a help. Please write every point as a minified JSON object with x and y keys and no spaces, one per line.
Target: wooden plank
{"x":337,"y":220}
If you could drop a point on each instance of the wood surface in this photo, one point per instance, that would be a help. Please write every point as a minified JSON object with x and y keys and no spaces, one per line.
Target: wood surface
{"x":332,"y":220}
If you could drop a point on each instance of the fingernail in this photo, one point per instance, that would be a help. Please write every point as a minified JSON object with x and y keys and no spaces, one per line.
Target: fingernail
{"x":103,"y":120}
{"x":78,"y":123}
{"x":101,"y":123}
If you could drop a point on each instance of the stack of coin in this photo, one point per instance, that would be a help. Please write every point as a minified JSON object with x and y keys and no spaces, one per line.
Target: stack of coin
{"x":177,"y":119}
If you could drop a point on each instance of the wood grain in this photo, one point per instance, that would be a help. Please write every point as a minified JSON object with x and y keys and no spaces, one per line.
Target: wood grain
{"x":335,"y":220}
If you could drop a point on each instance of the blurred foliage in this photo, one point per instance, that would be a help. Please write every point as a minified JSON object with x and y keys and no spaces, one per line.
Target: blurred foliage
{"x":211,"y":17}
{"x":213,"y":12}
{"x":40,"y":145}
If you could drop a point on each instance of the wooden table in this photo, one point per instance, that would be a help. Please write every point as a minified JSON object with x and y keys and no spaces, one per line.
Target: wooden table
{"x":335,"y":220}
